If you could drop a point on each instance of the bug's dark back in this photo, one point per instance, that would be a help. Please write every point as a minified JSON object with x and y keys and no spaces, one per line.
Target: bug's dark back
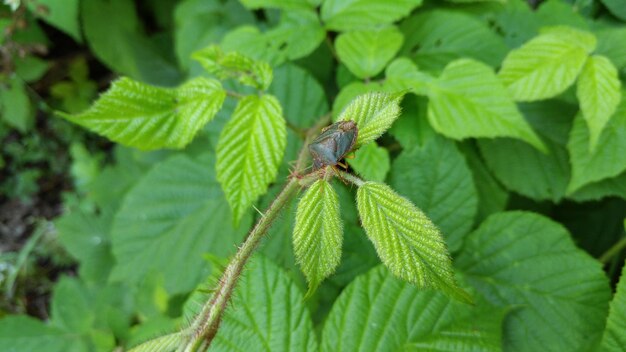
{"x":333,"y":143}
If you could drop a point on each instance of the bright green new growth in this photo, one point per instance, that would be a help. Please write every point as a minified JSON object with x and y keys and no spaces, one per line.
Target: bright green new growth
{"x":546,"y":65}
{"x":373,"y":113}
{"x":318,"y":233}
{"x":249,"y":151}
{"x":407,"y":242}
{"x":599,"y":94}
{"x":250,"y":72}
{"x":147,"y":117}
{"x":614,"y":338}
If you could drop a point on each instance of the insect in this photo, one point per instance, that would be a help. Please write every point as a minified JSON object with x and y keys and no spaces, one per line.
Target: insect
{"x":333,"y":143}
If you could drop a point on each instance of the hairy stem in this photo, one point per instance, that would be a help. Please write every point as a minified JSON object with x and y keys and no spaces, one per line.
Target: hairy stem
{"x":205,"y":325}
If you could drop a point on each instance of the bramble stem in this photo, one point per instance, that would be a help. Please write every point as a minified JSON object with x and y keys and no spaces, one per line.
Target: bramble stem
{"x":351,"y":178}
{"x":205,"y":325}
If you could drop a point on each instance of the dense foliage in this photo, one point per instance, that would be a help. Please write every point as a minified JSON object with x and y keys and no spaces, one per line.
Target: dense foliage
{"x":484,"y":208}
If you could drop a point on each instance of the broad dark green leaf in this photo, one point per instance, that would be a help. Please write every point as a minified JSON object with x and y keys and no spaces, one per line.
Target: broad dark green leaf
{"x":297,"y":34}
{"x":526,"y":170}
{"x":168,"y":220}
{"x":378,"y":312}
{"x":280,"y":4}
{"x":23,"y":333}
{"x":614,"y":338}
{"x":609,"y":157}
{"x":371,"y":162}
{"x":114,"y":33}
{"x":70,"y":306}
{"x":249,"y":151}
{"x":617,"y":8}
{"x":318,"y":233}
{"x":61,"y":14}
{"x":528,"y":261}
{"x":546,"y":65}
{"x":15,"y":107}
{"x":468,"y":100}
{"x":437,"y":179}
{"x":435,"y":38}
{"x":343,"y":15}
{"x":612,"y":44}
{"x":366,"y":52}
{"x":148,"y":117}
{"x":302,"y":97}
{"x":268,"y":313}
{"x":406,"y":241}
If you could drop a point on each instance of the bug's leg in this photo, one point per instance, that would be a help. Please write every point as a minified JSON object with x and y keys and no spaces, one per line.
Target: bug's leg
{"x":344,"y":166}
{"x":339,"y":175}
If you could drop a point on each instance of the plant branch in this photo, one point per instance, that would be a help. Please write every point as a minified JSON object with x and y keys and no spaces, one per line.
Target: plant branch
{"x":206,"y":324}
{"x":351,"y":178}
{"x":616,"y":248}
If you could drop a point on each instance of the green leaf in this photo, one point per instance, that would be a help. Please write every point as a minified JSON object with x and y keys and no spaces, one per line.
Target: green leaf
{"x":24,"y":333}
{"x":437,"y":179}
{"x":253,"y":73}
{"x":70,"y":306}
{"x":297,"y":34}
{"x":147,"y":117}
{"x":344,"y":15}
{"x":373,"y":113}
{"x":407,"y":242}
{"x":609,"y":157}
{"x":526,"y":260}
{"x":612,"y":44}
{"x":112,"y":29}
{"x":248,"y":40}
{"x":402,"y":74}
{"x":30,"y":68}
{"x":614,"y":338}
{"x":599,"y":94}
{"x":268,"y":313}
{"x":318,"y":233}
{"x":280,"y":4}
{"x":249,"y":151}
{"x":468,"y":100}
{"x":546,"y":65}
{"x":524,"y":169}
{"x":371,"y":162}
{"x":614,"y":186}
{"x":168,"y":220}
{"x":378,"y":312}
{"x":367,"y":52}
{"x":165,"y":343}
{"x":199,"y":23}
{"x":87,"y":238}
{"x":15,"y":105}
{"x":302,"y":97}
{"x":617,"y":8}
{"x":62,"y":14}
{"x":435,"y":38}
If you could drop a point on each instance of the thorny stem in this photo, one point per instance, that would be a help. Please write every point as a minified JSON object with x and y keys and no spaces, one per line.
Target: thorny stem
{"x":351,"y":178}
{"x":205,"y":325}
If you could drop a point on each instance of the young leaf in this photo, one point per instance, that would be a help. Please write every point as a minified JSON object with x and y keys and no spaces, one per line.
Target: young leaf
{"x":268,"y":313}
{"x":599,"y":95}
{"x":530,"y":262}
{"x":249,"y":151}
{"x":164,"y":343}
{"x":366,"y":52}
{"x":147,"y":117}
{"x":371,"y":162}
{"x":614,"y":338}
{"x":437,"y":179}
{"x":609,"y":157}
{"x":318,"y":233}
{"x":344,"y":15}
{"x":373,"y":113}
{"x":546,"y":65}
{"x":407,"y":242}
{"x":468,"y":100}
{"x":378,"y":312}
{"x":247,"y":71}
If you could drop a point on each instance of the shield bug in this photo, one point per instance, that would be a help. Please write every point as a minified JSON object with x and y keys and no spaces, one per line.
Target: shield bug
{"x":333,"y":143}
